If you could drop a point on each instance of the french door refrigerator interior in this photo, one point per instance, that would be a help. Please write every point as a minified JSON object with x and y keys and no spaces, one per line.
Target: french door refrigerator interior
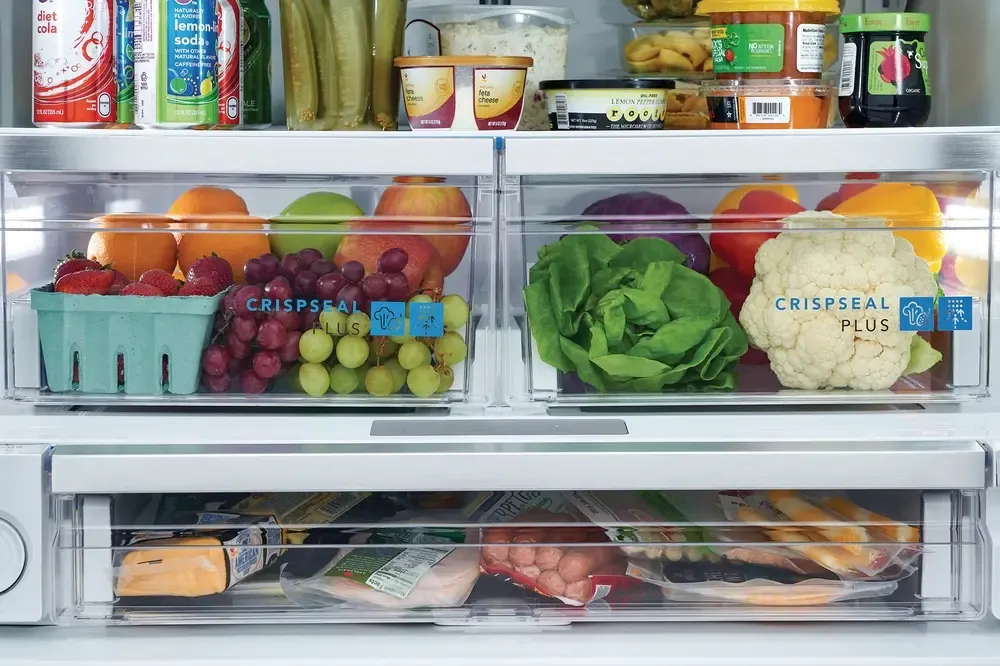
{"x":685,"y":395}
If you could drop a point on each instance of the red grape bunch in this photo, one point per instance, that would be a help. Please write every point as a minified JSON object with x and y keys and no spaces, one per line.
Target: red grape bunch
{"x":262,"y":331}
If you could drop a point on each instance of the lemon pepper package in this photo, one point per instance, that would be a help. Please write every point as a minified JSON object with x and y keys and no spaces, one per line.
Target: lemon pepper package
{"x":222,"y":547}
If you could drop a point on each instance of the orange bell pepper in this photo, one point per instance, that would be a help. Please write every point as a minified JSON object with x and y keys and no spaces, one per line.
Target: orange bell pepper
{"x":911,"y":208}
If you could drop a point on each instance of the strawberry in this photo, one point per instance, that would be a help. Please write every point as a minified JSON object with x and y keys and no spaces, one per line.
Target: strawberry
{"x":73,"y":263}
{"x":140,"y":289}
{"x":88,"y":282}
{"x":120,"y":281}
{"x":214,"y":268}
{"x":160,"y":279}
{"x":202,"y":286}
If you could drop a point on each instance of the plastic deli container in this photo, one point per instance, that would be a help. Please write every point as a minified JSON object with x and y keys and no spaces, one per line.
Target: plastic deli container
{"x":769,"y":39}
{"x":540,"y":33}
{"x":123,"y":344}
{"x":687,"y":108}
{"x":607,"y":104}
{"x":464,"y":92}
{"x":338,"y":63}
{"x":656,"y":10}
{"x":681,"y":47}
{"x":782,"y":104}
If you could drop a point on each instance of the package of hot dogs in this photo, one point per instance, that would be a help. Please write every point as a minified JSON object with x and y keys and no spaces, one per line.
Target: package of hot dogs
{"x":542,"y":543}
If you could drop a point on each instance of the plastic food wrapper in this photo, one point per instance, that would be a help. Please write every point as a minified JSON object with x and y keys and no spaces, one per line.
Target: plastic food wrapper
{"x":573,"y":562}
{"x":223,"y":548}
{"x":393,"y":568}
{"x":677,"y":543}
{"x":728,"y":581}
{"x":829,"y":532}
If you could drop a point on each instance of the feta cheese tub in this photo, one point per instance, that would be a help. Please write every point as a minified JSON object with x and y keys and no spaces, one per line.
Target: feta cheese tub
{"x":539,"y":33}
{"x":465,"y":92}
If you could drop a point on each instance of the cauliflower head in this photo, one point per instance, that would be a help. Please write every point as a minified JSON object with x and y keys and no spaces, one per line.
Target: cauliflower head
{"x":837,"y":258}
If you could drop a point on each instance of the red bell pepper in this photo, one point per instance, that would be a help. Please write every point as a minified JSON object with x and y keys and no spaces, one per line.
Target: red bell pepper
{"x":758,"y":211}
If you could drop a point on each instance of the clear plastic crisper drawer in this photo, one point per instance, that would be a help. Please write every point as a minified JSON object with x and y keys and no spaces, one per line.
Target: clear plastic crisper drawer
{"x":824,"y":288}
{"x":325,"y":291}
{"x":534,"y":558}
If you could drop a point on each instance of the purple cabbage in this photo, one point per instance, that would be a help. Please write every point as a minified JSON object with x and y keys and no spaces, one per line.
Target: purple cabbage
{"x":655,"y":216}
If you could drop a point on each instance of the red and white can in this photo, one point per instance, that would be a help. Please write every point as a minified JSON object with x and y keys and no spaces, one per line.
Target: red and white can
{"x":74,"y":63}
{"x":231,"y":38}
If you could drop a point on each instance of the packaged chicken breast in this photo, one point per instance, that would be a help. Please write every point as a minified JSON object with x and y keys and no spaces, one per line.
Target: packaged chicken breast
{"x":221,"y":547}
{"x":645,"y":525}
{"x":393,"y":568}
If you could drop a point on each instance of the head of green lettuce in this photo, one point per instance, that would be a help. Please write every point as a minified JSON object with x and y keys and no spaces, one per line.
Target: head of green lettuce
{"x":631,"y":317}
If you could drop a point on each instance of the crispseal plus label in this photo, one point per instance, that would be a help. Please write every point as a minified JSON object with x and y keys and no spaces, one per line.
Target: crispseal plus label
{"x":176,"y":62}
{"x":74,"y":62}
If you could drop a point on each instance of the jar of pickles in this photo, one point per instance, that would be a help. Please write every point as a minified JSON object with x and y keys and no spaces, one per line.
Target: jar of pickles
{"x":338,"y":63}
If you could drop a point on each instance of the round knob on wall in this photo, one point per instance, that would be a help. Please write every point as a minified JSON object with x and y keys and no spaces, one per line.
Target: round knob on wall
{"x":13,"y":556}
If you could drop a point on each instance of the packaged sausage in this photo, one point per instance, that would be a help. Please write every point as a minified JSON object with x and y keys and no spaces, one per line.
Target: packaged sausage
{"x":750,"y":584}
{"x":222,"y":547}
{"x":552,"y":551}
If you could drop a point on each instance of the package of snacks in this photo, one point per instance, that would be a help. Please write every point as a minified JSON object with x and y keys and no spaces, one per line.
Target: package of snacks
{"x":682,"y":47}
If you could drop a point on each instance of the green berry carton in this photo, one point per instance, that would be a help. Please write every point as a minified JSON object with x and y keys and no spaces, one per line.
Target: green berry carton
{"x":158,"y":339}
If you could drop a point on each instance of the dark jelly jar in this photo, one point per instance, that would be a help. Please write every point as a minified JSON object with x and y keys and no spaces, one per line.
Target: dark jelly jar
{"x":885,"y":77}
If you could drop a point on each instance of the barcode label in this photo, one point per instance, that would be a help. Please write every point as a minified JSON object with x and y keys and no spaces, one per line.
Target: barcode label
{"x":848,"y":69}
{"x":768,"y":110}
{"x":399,"y":576}
{"x":562,"y":112}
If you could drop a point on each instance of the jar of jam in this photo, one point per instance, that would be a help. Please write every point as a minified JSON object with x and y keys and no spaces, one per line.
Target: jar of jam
{"x":885,"y":78}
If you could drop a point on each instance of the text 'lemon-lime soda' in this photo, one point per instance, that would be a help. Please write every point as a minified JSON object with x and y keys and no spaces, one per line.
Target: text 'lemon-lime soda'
{"x":176,"y":63}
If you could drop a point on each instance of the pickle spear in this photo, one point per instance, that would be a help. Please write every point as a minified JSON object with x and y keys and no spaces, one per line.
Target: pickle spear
{"x":321,"y":25}
{"x":299,"y":65}
{"x":353,"y":46}
{"x":387,"y":38}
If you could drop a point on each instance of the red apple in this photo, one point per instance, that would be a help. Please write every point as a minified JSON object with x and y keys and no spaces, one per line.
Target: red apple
{"x":423,"y":271}
{"x":423,"y":200}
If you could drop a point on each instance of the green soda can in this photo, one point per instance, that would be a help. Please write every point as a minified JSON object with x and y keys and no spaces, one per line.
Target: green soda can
{"x":125,"y":60}
{"x":256,"y":64}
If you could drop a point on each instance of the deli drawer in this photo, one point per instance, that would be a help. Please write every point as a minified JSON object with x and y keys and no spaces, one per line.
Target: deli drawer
{"x":524,"y":558}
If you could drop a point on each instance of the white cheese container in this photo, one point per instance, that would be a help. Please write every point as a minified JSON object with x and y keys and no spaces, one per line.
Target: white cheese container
{"x":472,"y":93}
{"x":540,"y":33}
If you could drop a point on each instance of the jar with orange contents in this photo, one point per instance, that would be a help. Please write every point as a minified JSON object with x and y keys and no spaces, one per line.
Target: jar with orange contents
{"x":768,"y":39}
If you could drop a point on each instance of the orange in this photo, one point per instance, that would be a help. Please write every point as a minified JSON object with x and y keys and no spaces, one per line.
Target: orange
{"x":131,"y":246}
{"x":244,"y":239}
{"x":208,"y":201}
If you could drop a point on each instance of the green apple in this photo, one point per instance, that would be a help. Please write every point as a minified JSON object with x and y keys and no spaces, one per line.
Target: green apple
{"x":319,"y":211}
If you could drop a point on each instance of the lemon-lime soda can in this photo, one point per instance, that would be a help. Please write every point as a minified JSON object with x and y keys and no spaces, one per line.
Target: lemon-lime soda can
{"x":176,"y":63}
